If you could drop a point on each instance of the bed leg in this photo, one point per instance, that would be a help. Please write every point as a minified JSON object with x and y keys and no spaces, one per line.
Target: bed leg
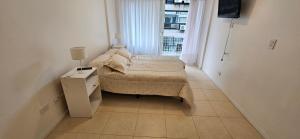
{"x":181,"y":99}
{"x":137,"y":96}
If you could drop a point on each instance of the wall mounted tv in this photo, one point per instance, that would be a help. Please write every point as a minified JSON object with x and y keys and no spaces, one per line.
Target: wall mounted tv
{"x":229,"y":8}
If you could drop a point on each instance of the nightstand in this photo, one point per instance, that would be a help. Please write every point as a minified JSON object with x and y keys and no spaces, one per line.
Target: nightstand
{"x":82,"y":92}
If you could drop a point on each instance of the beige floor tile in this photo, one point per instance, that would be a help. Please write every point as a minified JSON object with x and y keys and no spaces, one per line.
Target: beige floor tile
{"x":175,"y":107}
{"x":211,"y":128}
{"x":115,"y":137}
{"x":69,"y":124}
{"x":194,"y":84}
{"x":206,"y":84}
{"x":147,"y":138}
{"x":62,"y":135}
{"x":194,"y":73}
{"x":121,"y":124}
{"x":191,"y":77}
{"x":198,"y":94}
{"x":240,"y":128}
{"x":226,"y":109}
{"x":151,"y":125}
{"x":94,"y":124}
{"x":88,"y":136}
{"x":180,"y":127}
{"x":152,"y":104}
{"x":202,"y":108}
{"x":215,"y":95}
{"x":119,"y":103}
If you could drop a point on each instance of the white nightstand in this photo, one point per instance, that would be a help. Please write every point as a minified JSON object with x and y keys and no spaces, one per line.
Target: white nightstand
{"x":82,"y":92}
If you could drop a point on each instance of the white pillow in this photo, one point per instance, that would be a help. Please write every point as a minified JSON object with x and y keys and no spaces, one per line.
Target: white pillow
{"x":118,"y":46}
{"x":125,"y":53}
{"x":99,"y":63}
{"x":100,"y":60}
{"x":112,"y":51}
{"x":118,"y":63}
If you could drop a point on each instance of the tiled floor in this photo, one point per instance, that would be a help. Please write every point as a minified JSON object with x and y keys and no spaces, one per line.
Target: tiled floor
{"x":155,"y":117}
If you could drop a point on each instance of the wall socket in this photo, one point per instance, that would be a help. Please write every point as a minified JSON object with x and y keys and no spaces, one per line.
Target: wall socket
{"x":272,"y":44}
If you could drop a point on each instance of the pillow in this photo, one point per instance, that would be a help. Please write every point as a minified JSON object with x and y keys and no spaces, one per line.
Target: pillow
{"x":99,"y":63}
{"x":100,"y":60}
{"x":118,"y":46}
{"x":112,"y":51}
{"x":118,"y":63}
{"x":125,"y":53}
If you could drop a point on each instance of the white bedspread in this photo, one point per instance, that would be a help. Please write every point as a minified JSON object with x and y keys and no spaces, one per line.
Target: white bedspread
{"x":162,"y":76}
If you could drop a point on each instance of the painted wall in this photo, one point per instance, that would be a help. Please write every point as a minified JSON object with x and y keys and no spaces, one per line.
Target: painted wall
{"x":263,"y":83}
{"x":35,"y":37}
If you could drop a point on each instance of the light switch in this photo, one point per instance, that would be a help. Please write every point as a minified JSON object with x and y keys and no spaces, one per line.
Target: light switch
{"x":272,"y":44}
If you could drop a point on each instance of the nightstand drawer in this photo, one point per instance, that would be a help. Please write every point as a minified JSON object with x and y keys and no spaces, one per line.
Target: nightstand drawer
{"x":91,"y":84}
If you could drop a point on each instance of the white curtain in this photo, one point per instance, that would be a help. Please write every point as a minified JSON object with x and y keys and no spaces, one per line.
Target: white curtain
{"x":140,"y":24}
{"x":191,"y":41}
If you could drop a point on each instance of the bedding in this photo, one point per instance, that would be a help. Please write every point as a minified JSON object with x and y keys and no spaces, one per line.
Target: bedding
{"x":158,"y":59}
{"x":146,"y":75}
{"x":155,"y":58}
{"x":125,"y":53}
{"x":112,"y":51}
{"x":146,"y":58}
{"x":118,"y":63}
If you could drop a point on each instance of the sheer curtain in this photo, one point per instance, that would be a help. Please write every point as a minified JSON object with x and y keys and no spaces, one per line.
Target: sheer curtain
{"x":140,"y":24}
{"x":191,"y":41}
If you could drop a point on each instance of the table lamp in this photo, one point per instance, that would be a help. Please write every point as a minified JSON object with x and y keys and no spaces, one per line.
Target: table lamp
{"x":78,"y":53}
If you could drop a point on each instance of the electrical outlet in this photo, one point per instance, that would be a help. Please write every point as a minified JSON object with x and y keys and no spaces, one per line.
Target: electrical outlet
{"x":272,"y":44}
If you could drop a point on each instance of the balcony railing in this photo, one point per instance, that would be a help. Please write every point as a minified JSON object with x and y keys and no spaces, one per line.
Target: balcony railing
{"x":172,"y":45}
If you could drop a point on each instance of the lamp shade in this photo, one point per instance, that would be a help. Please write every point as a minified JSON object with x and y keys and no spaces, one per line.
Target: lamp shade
{"x":77,"y":53}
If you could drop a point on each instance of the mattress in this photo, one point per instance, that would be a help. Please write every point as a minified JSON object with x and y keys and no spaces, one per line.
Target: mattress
{"x":158,"y":59}
{"x":149,"y":76}
{"x":155,"y":58}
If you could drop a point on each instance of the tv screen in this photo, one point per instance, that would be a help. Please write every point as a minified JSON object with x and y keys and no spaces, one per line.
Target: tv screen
{"x":229,"y":8}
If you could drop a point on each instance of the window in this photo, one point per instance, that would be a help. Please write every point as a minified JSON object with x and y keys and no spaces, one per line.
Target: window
{"x":177,"y":1}
{"x":176,"y":12}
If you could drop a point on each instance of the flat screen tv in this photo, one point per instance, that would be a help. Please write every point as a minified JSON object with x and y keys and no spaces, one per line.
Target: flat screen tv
{"x":229,"y":8}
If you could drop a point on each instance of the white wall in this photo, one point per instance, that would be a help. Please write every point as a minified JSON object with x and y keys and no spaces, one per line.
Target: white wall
{"x":35,"y":37}
{"x":263,"y":83}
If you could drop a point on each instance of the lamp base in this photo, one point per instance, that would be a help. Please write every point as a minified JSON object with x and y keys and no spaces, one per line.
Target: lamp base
{"x":85,"y":68}
{"x":79,"y":70}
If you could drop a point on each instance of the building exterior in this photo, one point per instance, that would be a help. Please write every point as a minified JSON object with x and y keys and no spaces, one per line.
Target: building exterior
{"x":176,"y":12}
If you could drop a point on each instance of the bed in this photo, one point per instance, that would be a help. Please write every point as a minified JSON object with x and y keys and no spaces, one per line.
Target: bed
{"x":145,"y":75}
{"x":171,"y":60}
